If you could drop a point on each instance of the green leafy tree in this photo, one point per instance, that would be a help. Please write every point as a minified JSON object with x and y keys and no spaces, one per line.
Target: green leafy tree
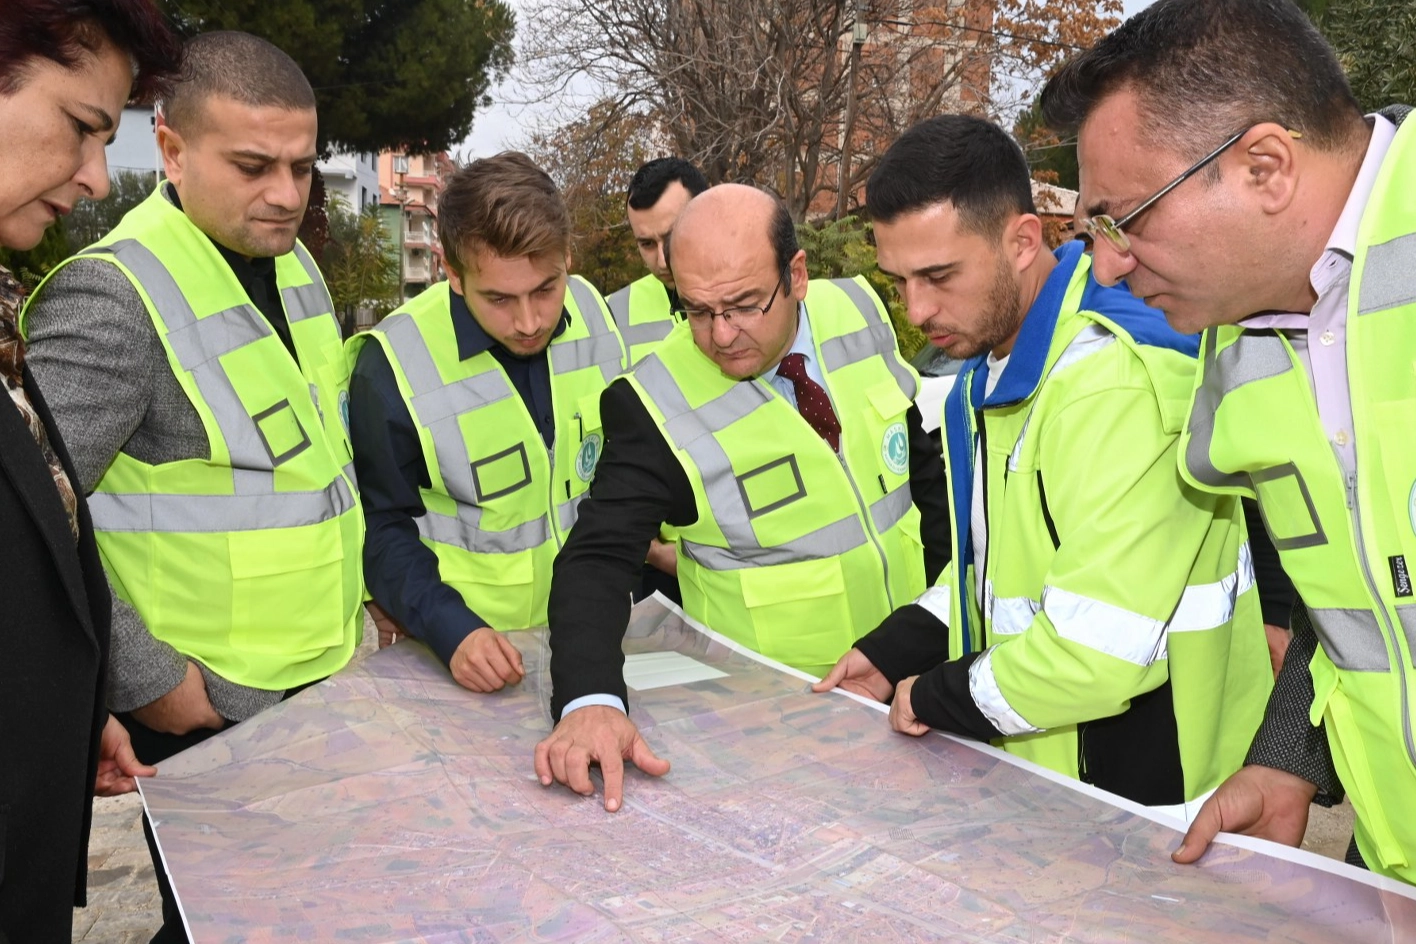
{"x":30,"y":266}
{"x":360,"y":264}
{"x":591,"y":160}
{"x":843,"y":249}
{"x":1376,"y":43}
{"x":93,"y":219}
{"x":387,"y":73}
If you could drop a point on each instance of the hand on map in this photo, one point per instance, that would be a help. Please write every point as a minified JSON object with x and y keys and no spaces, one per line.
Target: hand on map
{"x":855,"y":673}
{"x":595,"y":734}
{"x":902,"y":717}
{"x":117,"y":764}
{"x":486,"y":661}
{"x":184,"y":709}
{"x":389,"y":629}
{"x":1255,"y":801}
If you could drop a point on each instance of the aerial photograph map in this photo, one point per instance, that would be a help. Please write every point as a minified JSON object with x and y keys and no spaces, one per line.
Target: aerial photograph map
{"x":388,"y":804}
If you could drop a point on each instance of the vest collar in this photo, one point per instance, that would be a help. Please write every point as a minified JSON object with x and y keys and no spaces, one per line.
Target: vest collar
{"x":1028,"y":360}
{"x":472,"y":338}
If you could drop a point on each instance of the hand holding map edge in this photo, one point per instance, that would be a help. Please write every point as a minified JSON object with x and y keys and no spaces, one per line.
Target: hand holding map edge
{"x":854,"y":672}
{"x":902,"y":716}
{"x":595,"y":734}
{"x":1255,"y":801}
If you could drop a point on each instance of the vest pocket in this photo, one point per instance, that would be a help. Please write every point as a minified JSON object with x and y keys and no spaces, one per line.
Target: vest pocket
{"x":287,"y":594}
{"x":1287,"y":508}
{"x":500,"y":588}
{"x":799,"y":612}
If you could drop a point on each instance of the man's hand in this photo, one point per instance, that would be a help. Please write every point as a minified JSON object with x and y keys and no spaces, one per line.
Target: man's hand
{"x":902,"y":717}
{"x":486,"y":661}
{"x":1255,"y":801}
{"x":595,"y":733}
{"x":1278,"y":640}
{"x":117,"y":765}
{"x":663,"y":557}
{"x":855,"y":673}
{"x":390,"y":630}
{"x":184,"y":709}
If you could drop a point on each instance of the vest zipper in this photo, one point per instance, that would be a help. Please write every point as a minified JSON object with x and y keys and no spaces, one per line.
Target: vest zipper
{"x":1400,"y":667}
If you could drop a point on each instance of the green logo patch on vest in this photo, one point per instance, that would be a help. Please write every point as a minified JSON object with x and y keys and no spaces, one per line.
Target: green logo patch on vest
{"x":588,"y":457}
{"x":895,"y":449}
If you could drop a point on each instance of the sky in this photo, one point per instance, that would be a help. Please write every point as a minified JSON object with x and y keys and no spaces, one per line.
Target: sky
{"x":504,"y":124}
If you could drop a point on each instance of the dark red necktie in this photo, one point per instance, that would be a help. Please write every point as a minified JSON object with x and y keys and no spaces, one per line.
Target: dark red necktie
{"x":812,"y":402}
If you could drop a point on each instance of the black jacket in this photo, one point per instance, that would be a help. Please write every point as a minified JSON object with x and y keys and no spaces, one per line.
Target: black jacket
{"x":54,"y":622}
{"x":640,"y":485}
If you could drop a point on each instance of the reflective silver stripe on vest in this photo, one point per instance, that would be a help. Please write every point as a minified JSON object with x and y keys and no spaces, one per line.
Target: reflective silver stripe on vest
{"x":887,"y":512}
{"x":877,"y":339}
{"x":833,"y":540}
{"x":306,"y":301}
{"x":198,"y":343}
{"x":1407,"y":615}
{"x":465,"y":531}
{"x":438,"y":406}
{"x":211,"y":514}
{"x":1353,"y":639}
{"x":601,"y":347}
{"x":1388,"y":275}
{"x":1253,"y":356}
{"x":647,"y":332}
{"x":619,"y":310}
{"x":692,"y":431}
{"x":567,"y":512}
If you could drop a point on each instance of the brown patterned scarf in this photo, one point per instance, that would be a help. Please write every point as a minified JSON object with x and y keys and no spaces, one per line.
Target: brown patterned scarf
{"x":12,"y":362}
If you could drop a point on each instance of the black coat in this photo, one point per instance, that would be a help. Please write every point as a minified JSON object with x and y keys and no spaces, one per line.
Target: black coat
{"x":54,"y":619}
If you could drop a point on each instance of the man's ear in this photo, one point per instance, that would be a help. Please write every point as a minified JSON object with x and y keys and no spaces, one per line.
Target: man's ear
{"x":1268,"y":155}
{"x":797,"y":267}
{"x":1023,"y":240}
{"x":173,"y":148}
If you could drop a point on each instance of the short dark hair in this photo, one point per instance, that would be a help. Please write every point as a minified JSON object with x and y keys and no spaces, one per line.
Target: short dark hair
{"x":1203,"y":69}
{"x":650,"y":181}
{"x":967,"y":162}
{"x":783,"y":236}
{"x":67,"y":31}
{"x":239,"y":66}
{"x":506,"y":204}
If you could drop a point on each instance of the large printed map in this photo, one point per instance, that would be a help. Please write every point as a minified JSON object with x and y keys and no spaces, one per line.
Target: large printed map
{"x":389,"y":805}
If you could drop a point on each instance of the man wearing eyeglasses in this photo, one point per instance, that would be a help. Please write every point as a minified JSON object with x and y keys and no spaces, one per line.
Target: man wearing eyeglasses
{"x":777,"y":445}
{"x":1295,"y":254}
{"x":1098,"y":617}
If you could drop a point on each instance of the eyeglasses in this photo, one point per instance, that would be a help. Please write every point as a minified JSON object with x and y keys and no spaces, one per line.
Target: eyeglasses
{"x":738,"y":316}
{"x":1113,"y":229}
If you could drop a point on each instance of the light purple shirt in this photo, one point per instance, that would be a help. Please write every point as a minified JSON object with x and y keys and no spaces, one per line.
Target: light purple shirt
{"x":1319,"y":338}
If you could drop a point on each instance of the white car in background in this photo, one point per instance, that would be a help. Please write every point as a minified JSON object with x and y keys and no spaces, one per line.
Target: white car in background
{"x":937,"y":371}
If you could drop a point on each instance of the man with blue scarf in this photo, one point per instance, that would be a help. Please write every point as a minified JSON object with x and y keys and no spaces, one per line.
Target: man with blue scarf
{"x":1099,"y":616}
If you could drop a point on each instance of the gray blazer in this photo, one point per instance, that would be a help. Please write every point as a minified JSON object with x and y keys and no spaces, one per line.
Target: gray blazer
{"x":94,"y":351}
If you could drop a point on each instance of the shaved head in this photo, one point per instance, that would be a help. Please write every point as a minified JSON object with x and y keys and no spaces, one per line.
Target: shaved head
{"x":735,"y":248}
{"x":731,"y":215}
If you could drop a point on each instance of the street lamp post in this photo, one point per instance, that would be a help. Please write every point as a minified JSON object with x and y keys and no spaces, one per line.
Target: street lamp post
{"x":859,"y":33}
{"x":400,"y":193}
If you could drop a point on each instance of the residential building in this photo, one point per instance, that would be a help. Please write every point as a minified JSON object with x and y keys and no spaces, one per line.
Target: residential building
{"x":409,"y":185}
{"x":134,"y":148}
{"x":354,"y":176}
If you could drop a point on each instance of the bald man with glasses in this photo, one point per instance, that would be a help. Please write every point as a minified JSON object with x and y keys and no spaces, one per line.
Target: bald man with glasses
{"x":772,"y":437}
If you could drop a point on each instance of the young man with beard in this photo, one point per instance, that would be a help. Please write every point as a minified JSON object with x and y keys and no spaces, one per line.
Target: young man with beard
{"x":1099,"y":616}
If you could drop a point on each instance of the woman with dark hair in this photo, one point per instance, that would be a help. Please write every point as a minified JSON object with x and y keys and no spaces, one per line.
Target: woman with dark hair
{"x":67,"y":68}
